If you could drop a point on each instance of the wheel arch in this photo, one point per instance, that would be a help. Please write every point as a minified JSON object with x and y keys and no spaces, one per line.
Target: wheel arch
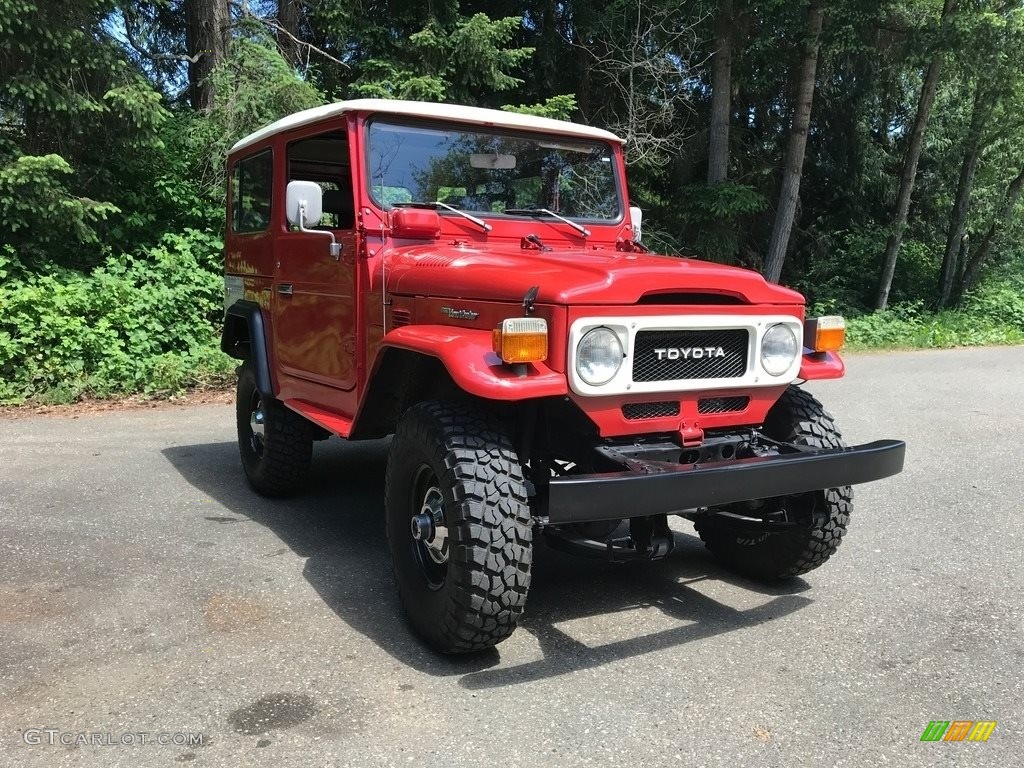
{"x":245,"y":338}
{"x":401,"y":378}
{"x":419,"y":363}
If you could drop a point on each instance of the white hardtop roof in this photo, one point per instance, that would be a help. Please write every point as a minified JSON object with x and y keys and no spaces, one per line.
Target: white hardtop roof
{"x":472,"y":115}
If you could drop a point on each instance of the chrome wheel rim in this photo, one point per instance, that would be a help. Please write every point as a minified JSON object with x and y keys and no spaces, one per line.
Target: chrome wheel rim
{"x":257,"y":428}
{"x":429,"y":529}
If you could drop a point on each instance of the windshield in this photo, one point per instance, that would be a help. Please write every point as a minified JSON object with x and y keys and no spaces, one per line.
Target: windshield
{"x":489,"y":173}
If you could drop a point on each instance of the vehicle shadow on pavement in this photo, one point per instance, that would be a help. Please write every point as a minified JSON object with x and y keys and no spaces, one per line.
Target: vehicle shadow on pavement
{"x":338,"y":526}
{"x":567,"y":589}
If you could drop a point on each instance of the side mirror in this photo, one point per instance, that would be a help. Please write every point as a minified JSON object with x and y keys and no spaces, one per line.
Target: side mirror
{"x":304,"y":204}
{"x":304,"y":207}
{"x":636,"y":216}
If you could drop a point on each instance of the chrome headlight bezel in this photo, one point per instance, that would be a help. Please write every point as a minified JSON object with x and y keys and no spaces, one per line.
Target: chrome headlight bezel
{"x":780,"y":349}
{"x":605,"y":342}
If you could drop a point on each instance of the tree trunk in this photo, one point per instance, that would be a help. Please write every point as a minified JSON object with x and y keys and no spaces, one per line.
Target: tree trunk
{"x":793,"y":166}
{"x":972,"y":268}
{"x":288,"y":14}
{"x":206,"y":37}
{"x":721,"y":86}
{"x":887,"y":104}
{"x":910,"y":159}
{"x":980,"y":111}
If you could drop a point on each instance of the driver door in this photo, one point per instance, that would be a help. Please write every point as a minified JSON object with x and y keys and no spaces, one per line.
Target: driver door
{"x":314,"y":292}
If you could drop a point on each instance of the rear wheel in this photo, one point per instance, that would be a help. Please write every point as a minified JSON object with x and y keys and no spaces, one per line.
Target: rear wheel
{"x":275,"y":443}
{"x":458,"y":525}
{"x":822,"y":516}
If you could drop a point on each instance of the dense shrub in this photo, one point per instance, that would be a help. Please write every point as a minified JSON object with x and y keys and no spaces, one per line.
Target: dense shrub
{"x":994,"y":314}
{"x":138,"y":323}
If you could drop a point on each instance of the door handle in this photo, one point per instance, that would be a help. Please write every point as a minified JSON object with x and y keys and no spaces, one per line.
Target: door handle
{"x":285,"y":289}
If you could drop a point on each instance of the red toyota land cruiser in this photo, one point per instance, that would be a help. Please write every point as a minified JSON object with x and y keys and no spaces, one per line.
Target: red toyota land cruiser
{"x":473,"y":282}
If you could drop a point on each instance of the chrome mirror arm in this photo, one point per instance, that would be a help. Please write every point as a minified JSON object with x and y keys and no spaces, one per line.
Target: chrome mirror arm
{"x":335,"y":245}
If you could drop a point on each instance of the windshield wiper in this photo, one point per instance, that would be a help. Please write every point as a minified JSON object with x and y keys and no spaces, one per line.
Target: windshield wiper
{"x":438,"y":204}
{"x":534,"y":211}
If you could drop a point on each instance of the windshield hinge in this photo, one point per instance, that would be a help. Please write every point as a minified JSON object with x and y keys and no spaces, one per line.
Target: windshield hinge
{"x":533,"y":242}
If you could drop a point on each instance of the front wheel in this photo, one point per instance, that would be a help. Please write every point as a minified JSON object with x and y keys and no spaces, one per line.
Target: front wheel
{"x":458,"y":526}
{"x":822,"y":516}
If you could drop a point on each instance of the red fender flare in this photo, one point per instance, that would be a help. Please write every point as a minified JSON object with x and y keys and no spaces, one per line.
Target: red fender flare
{"x":470,"y":360}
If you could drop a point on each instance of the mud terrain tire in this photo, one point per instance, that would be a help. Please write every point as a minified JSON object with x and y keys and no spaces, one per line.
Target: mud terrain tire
{"x":465,"y":588}
{"x":798,"y":418}
{"x":276,"y":452}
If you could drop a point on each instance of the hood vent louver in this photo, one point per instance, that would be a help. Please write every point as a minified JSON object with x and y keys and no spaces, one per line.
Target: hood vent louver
{"x":400,"y":317}
{"x":435,"y":260}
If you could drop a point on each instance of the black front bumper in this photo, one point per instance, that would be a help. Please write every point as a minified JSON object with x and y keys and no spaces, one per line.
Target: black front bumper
{"x":678,"y":487}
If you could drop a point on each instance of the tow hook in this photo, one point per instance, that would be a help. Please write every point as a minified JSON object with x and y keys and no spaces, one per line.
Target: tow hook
{"x":651,"y":537}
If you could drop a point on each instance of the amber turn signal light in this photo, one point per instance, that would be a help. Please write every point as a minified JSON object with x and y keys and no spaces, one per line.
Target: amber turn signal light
{"x":825,"y":334}
{"x":521,"y":339}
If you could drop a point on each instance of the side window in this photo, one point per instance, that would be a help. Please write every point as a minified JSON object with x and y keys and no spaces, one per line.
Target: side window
{"x":252,"y":184}
{"x":324,"y":159}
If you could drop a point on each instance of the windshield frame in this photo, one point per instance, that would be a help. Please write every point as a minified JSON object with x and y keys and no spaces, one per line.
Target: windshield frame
{"x":452,"y":125}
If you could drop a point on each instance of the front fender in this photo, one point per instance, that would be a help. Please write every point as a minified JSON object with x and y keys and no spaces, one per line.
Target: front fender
{"x":816,"y":366}
{"x":467,"y":355}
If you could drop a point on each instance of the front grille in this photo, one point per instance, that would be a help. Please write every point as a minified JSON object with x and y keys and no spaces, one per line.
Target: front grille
{"x":634,"y":411}
{"x":673,"y":355}
{"x":722,"y":404}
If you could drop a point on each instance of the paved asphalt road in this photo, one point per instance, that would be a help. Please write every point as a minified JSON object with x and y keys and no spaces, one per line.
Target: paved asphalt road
{"x":145,"y":589}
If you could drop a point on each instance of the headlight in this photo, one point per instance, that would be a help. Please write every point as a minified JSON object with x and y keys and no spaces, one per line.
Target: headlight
{"x":779,"y":348}
{"x":598,"y":356}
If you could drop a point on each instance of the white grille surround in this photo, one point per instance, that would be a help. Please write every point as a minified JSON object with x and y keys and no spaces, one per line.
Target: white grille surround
{"x":627,"y":327}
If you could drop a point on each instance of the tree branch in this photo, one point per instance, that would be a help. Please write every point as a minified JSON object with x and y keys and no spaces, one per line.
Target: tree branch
{"x":244,"y":10}
{"x":132,"y":39}
{"x":642,"y":56}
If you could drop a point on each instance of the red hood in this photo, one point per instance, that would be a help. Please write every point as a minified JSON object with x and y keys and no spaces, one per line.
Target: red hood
{"x":568,"y":277}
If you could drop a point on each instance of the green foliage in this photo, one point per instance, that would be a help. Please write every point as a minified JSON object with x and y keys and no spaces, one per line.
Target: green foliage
{"x":448,"y":62}
{"x":387,"y":80}
{"x":994,"y":314}
{"x":472,"y":54}
{"x":560,"y":107}
{"x":48,"y":44}
{"x":711,"y":214}
{"x":40,"y":214}
{"x":111,"y":187}
{"x":721,"y":201}
{"x":79,"y":124}
{"x":253,"y":87}
{"x":841,"y":271}
{"x":999,"y":301}
{"x":138,"y":323}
